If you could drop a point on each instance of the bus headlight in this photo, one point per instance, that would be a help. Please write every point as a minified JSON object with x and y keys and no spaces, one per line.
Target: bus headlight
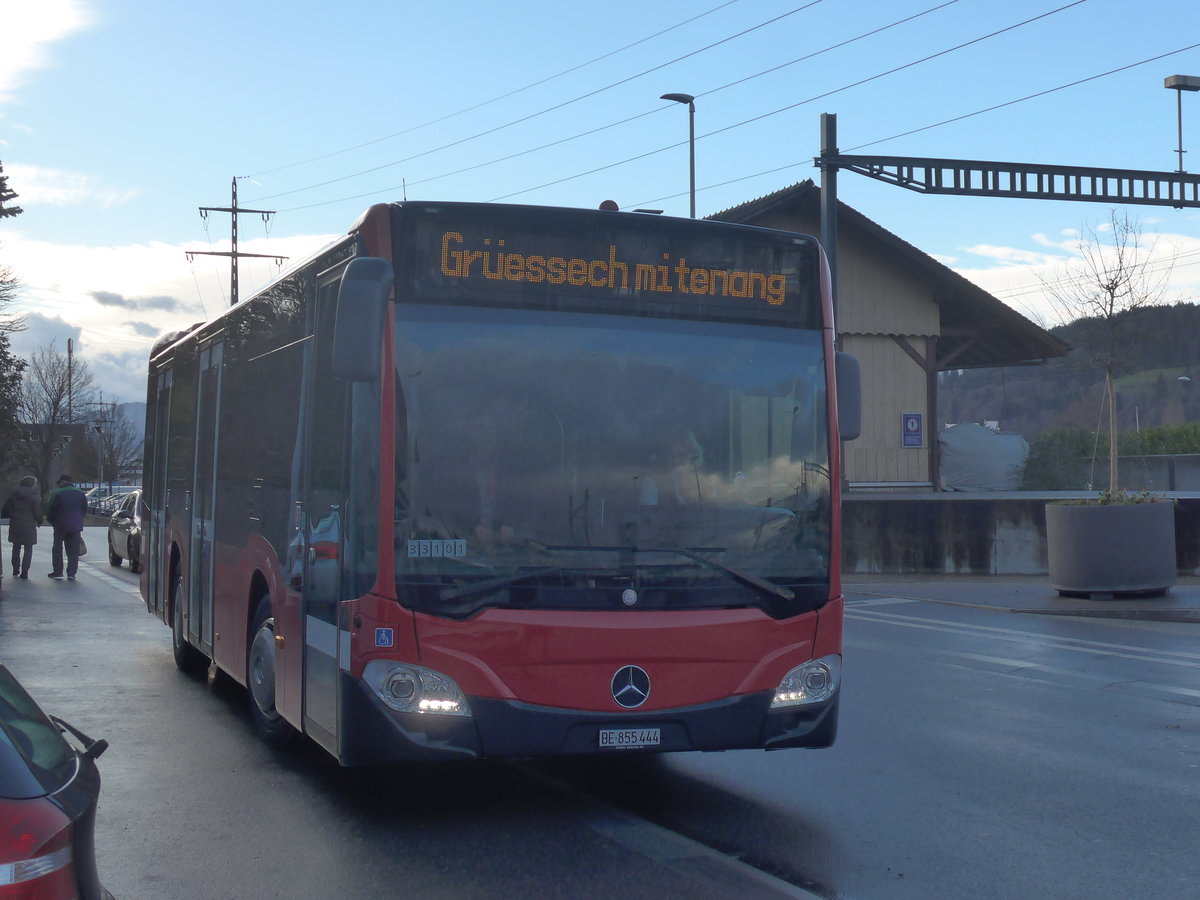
{"x":813,"y":682}
{"x":415,"y":689}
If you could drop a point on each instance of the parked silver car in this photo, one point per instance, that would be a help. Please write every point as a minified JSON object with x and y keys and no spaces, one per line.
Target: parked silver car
{"x":125,"y":532}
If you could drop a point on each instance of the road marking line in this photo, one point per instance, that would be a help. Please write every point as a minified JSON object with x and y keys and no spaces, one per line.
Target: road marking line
{"x":1032,"y":671}
{"x":120,"y":585}
{"x":1079,"y":645}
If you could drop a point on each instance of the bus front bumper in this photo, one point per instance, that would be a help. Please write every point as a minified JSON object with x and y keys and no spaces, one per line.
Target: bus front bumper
{"x":373,"y":733}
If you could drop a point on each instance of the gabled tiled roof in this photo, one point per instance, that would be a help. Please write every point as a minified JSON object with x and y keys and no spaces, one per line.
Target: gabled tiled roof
{"x":979,"y":329}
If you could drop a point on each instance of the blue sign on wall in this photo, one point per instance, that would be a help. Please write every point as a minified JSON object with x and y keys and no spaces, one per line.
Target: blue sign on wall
{"x":914,"y":430}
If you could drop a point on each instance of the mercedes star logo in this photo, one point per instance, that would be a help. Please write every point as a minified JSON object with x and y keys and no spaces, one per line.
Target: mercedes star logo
{"x":631,"y":686}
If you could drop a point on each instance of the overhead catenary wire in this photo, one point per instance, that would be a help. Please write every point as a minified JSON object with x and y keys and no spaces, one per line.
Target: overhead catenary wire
{"x":699,"y":96}
{"x":549,"y":109}
{"x":960,"y":118}
{"x":1061,"y":87}
{"x":632,"y":118}
{"x":1018,"y":292}
{"x":709,"y":92}
{"x":498,"y":97}
{"x":799,"y":103}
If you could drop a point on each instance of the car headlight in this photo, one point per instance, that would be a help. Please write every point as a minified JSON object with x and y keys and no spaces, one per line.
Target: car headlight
{"x":813,"y":682}
{"x":415,"y":689}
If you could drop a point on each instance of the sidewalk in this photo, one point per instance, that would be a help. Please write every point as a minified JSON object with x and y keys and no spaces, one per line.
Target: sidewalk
{"x":1026,"y":594}
{"x":95,"y":536}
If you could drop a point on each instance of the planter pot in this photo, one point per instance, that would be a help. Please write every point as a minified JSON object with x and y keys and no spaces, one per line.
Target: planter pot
{"x":1115,"y":549}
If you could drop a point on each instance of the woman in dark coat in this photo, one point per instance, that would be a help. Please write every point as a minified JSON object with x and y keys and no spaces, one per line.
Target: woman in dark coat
{"x":24,"y":510}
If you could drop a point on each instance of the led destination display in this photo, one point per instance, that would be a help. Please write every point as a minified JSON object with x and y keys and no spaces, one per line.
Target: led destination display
{"x":666,"y":267}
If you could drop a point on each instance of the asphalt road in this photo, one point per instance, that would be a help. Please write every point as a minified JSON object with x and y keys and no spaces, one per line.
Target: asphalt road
{"x":981,"y":754}
{"x":194,"y":807}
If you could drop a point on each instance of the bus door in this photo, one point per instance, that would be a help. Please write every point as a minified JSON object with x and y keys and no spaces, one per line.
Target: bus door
{"x":155,"y":551}
{"x":208,"y":402}
{"x":326,"y":410}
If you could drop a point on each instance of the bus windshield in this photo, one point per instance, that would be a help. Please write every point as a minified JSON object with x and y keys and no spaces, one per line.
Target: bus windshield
{"x":567,"y":460}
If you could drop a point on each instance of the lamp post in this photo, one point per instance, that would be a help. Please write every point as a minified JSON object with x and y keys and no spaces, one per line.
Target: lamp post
{"x":1179,"y":84}
{"x":691,"y":105}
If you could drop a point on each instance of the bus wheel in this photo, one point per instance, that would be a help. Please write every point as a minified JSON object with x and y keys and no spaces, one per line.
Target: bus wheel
{"x":260,"y":676}
{"x":187,"y":658}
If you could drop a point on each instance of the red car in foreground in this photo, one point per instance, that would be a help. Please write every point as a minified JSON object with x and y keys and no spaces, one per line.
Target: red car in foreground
{"x":49,"y":788}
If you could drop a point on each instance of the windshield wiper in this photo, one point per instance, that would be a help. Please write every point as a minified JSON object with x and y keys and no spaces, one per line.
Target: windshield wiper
{"x":747,"y":578}
{"x":461,"y":591}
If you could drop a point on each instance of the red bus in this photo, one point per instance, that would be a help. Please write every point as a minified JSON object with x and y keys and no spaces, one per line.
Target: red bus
{"x":482,"y":480}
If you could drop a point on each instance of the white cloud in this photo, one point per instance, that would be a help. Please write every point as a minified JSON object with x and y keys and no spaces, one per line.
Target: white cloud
{"x":30,"y":28}
{"x":1069,"y":243}
{"x":55,"y":187}
{"x":42,"y":331}
{"x":114,"y":302}
{"x":1012,"y":255}
{"x":1018,"y":275}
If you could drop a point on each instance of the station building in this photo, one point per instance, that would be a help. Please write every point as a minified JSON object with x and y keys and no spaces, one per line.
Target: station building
{"x":906,"y":317}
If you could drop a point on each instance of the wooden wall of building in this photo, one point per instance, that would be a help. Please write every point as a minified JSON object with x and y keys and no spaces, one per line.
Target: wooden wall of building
{"x":892,"y":385}
{"x":881,"y":295}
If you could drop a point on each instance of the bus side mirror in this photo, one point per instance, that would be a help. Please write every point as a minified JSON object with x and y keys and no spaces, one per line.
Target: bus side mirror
{"x":361,"y":312}
{"x":849,"y":396}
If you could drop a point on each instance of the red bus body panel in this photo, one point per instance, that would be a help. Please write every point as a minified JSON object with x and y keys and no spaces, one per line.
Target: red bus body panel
{"x":567,"y":660}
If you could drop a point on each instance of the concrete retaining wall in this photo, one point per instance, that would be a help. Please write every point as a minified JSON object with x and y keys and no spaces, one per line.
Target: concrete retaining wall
{"x":972,"y":534}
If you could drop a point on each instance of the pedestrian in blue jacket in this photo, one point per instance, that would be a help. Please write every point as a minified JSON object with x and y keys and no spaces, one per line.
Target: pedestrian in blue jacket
{"x":65,"y":508}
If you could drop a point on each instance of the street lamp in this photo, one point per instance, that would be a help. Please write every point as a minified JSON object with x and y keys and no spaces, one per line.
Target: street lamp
{"x":1179,"y":84}
{"x":691,"y":105}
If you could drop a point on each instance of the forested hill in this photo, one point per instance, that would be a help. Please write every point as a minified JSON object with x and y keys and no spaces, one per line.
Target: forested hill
{"x":1159,"y":383}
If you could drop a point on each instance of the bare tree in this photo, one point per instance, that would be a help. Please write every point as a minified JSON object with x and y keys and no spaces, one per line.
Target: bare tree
{"x":54,"y":392}
{"x":1116,"y":275}
{"x":9,"y":288}
{"x":115,"y":442}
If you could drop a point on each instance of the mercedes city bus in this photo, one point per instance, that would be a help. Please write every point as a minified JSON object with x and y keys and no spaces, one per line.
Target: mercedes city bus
{"x":483,"y":480}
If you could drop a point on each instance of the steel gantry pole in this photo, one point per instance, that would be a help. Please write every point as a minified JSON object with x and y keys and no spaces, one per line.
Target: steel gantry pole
{"x":233,"y":210}
{"x":829,"y":211}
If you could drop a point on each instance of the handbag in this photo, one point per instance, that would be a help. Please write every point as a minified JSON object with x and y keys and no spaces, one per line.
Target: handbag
{"x":82,"y":546}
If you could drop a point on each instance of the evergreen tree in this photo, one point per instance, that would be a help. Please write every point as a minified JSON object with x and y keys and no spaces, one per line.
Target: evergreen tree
{"x":11,"y":368}
{"x":7,"y":195}
{"x":11,"y":431}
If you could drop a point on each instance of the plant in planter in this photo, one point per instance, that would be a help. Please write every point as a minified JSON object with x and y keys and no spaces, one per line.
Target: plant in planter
{"x":1119,"y":542}
{"x":1116,"y":544}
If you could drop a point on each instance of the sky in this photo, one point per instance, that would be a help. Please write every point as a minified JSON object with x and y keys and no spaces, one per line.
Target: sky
{"x":120,"y":119}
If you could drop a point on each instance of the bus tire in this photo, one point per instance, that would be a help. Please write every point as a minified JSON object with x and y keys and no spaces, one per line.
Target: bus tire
{"x":276,"y":731}
{"x":187,"y":658}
